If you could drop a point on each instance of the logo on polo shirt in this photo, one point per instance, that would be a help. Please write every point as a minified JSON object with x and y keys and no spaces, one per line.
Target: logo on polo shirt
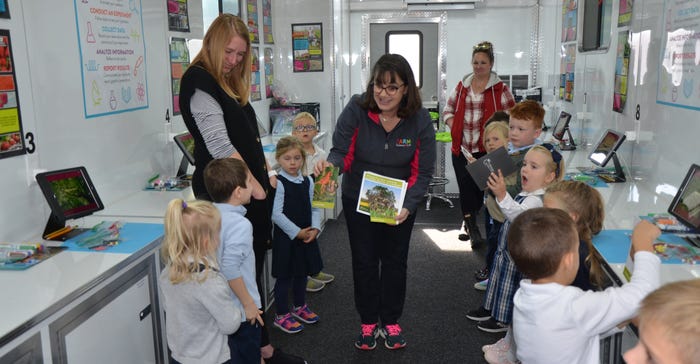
{"x":403,"y":142}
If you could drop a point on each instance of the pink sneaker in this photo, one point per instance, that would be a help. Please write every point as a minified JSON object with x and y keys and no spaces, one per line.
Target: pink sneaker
{"x":392,"y":337}
{"x":288,"y":324}
{"x":305,"y":315}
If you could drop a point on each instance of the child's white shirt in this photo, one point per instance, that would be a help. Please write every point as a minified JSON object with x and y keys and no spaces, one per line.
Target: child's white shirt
{"x":511,"y":208}
{"x":312,"y":159}
{"x":553,"y":323}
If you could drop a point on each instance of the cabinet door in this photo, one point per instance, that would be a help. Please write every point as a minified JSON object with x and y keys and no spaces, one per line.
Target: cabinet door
{"x":115,"y":325}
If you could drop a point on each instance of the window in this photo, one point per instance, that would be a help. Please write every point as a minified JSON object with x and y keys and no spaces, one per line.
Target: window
{"x":408,"y":44}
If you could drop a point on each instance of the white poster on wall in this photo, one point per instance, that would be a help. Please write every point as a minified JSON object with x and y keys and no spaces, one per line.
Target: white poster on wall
{"x":112,"y":56}
{"x":679,"y":77}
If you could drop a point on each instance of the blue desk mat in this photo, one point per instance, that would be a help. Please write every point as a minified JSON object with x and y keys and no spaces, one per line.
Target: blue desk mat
{"x":132,"y":237}
{"x":614,"y":245}
{"x":593,"y":181}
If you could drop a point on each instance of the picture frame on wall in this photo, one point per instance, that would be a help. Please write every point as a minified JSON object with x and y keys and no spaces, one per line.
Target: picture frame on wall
{"x":4,"y":9}
{"x":307,"y":46}
{"x":178,"y":17}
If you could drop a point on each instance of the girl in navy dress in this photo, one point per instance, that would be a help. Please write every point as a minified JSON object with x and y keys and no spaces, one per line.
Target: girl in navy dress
{"x":295,"y":252}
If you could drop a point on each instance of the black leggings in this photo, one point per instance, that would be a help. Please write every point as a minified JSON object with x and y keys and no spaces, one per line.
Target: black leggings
{"x":471,"y":198}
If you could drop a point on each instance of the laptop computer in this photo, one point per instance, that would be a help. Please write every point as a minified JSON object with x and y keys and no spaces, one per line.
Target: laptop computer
{"x":491,"y":163}
{"x":685,"y":206}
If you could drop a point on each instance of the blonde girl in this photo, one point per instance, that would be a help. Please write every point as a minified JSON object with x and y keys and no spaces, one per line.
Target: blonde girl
{"x":585,"y":206}
{"x":200,"y":310}
{"x":295,"y":252}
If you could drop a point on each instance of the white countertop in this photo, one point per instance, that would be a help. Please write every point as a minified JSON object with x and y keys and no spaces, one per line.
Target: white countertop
{"x":27,"y":293}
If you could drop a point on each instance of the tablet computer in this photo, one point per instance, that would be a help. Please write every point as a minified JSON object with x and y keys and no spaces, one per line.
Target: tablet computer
{"x":491,"y":163}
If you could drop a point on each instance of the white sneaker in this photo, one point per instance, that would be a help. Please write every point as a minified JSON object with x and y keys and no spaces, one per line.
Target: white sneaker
{"x":481,"y":286}
{"x":500,"y":345}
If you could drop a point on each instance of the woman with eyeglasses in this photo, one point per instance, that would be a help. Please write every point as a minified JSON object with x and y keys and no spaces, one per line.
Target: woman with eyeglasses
{"x":477,"y":96}
{"x":385,"y":130}
{"x":214,"y":100}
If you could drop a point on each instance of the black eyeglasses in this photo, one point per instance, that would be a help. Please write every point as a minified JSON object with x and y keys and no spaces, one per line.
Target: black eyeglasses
{"x":390,"y":89}
{"x":304,"y":128}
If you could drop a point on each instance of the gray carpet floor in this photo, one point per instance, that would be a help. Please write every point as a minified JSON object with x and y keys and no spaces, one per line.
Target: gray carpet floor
{"x":440,"y":292}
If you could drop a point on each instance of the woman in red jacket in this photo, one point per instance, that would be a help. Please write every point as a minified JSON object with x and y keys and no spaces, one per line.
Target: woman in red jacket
{"x":470,"y":105}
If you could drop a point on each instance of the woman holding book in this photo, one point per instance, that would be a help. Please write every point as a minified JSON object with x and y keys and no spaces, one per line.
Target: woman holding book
{"x":386,"y":131}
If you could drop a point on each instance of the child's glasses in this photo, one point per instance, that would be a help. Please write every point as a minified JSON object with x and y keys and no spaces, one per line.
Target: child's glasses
{"x":390,"y":89}
{"x":304,"y":128}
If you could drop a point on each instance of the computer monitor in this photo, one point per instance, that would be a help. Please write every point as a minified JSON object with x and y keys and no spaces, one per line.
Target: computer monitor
{"x":185,"y":142}
{"x":604,"y":151}
{"x":70,"y":194}
{"x":686,"y":204}
{"x":561,"y":129}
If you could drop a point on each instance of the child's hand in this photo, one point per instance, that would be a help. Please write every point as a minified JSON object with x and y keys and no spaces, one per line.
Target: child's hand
{"x":497,"y":184}
{"x":643,"y":236}
{"x":304,"y":233}
{"x":252,"y":313}
{"x":273,"y":181}
{"x":313,"y":233}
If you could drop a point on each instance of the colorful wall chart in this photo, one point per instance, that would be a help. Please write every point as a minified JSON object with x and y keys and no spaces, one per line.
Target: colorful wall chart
{"x":568,"y":61}
{"x":179,"y":61}
{"x":253,"y":21}
{"x":679,"y":73}
{"x":307,"y":44}
{"x":622,"y":64}
{"x":625,"y":13}
{"x":255,"y":93}
{"x":269,"y":71}
{"x":11,"y":140}
{"x":569,"y":19}
{"x":112,"y":56}
{"x":267,"y":22}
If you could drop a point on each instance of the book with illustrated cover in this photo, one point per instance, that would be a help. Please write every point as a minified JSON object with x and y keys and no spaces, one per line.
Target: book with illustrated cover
{"x":325,"y":188}
{"x":666,"y":222}
{"x":669,"y":252}
{"x":381,"y":197}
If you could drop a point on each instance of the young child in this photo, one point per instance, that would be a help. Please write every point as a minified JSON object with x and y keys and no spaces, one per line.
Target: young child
{"x":541,"y":166}
{"x":196,"y":297}
{"x":669,"y":325}
{"x":304,"y":128}
{"x":585,"y":206}
{"x":554,"y":322}
{"x":495,"y":136}
{"x":230,"y":186}
{"x":295,"y":252}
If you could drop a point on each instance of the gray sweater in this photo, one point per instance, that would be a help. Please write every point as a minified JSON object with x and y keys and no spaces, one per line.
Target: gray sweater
{"x":199,"y":318}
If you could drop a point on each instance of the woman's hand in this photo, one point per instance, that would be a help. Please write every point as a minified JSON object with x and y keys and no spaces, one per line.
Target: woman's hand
{"x":402,"y":216}
{"x":497,"y":184}
{"x":320,"y":166}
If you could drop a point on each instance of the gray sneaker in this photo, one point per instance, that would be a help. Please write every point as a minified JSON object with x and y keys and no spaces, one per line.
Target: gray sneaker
{"x":313,"y":285}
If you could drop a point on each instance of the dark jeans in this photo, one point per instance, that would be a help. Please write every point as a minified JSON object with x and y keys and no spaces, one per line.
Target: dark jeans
{"x":493,"y":228}
{"x":379,"y":292}
{"x":282,"y":285}
{"x":259,"y":262}
{"x":471,"y":198}
{"x":245,"y":343}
